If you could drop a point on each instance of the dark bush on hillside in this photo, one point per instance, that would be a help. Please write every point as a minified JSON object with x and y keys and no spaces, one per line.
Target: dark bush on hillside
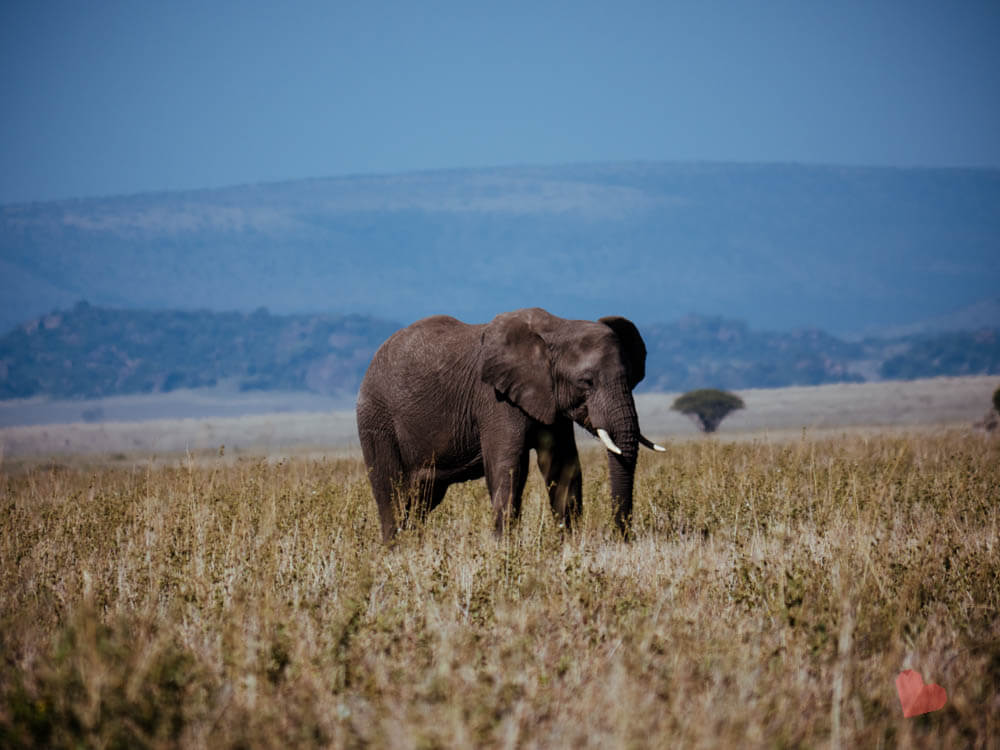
{"x":707,"y":406}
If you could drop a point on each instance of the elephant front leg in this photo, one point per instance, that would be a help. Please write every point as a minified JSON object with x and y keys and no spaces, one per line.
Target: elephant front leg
{"x":505,"y":481}
{"x":559,"y":463}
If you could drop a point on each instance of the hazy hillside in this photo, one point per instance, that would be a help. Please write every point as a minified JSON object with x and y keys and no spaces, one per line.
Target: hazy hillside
{"x":90,"y":351}
{"x":699,"y":351}
{"x":780,"y":246}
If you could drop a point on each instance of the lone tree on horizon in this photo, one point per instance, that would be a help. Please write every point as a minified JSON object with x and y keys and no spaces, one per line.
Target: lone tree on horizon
{"x":707,"y":406}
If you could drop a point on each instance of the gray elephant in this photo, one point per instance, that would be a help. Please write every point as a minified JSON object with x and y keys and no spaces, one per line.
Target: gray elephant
{"x":444,"y":402}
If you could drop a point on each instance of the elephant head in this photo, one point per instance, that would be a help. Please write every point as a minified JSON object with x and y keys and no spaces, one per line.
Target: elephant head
{"x":584,"y":371}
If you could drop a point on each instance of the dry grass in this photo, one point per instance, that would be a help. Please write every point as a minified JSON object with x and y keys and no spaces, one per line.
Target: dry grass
{"x":772,"y":595}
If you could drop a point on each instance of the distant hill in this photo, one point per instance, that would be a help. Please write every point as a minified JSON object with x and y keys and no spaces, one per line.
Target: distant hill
{"x":699,"y":352}
{"x":89,"y":351}
{"x":779,"y":246}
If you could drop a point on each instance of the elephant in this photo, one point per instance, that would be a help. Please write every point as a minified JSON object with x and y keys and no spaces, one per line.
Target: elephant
{"x":445,"y":401}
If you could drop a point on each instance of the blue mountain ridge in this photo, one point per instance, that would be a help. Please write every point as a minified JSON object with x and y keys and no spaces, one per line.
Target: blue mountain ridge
{"x":844,"y":249}
{"x":92,"y":352}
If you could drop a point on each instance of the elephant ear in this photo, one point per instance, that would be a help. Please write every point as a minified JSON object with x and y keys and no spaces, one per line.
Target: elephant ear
{"x":516,"y":363}
{"x":633,"y":347}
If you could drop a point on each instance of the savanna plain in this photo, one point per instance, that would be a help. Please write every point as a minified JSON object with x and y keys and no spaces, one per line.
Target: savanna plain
{"x":774,"y":589}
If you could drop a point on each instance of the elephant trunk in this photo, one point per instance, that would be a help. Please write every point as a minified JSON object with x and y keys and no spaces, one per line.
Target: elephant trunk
{"x":621,"y":471}
{"x":622,"y":425}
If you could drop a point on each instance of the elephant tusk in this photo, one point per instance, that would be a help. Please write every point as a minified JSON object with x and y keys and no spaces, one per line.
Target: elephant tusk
{"x":608,"y":442}
{"x":650,"y":444}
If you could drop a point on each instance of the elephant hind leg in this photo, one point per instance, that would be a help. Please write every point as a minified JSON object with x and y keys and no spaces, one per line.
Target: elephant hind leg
{"x":424,"y":496}
{"x":387,"y":476}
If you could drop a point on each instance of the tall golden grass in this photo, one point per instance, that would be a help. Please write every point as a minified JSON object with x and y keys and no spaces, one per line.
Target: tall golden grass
{"x":771,"y":595}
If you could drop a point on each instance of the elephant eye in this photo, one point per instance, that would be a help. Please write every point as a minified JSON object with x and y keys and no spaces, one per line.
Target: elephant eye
{"x":586,"y":382}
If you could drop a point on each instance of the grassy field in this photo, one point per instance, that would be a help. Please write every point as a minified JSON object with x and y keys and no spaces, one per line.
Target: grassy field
{"x":773,"y":592}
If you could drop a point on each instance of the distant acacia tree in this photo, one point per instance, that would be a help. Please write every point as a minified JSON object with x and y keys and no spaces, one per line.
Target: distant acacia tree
{"x":991,"y":421}
{"x":707,"y":406}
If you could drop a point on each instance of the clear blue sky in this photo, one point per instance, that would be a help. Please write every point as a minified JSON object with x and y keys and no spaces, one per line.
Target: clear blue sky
{"x":101,"y":98}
